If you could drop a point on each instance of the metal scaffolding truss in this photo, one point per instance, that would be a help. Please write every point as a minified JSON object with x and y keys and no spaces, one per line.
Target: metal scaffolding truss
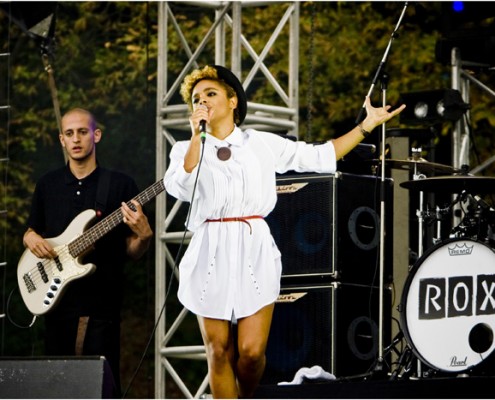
{"x":175,"y":43}
{"x":462,"y":80}
{"x":461,"y":142}
{"x":5,"y":65}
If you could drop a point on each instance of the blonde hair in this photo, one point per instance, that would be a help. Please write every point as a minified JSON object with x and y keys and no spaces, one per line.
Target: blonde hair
{"x":210,"y":73}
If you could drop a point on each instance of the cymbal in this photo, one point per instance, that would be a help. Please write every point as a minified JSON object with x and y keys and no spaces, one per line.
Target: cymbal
{"x":453,"y":184}
{"x":420,"y":165}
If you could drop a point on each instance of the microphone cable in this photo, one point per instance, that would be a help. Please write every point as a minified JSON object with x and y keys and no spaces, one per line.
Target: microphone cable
{"x":167,"y":292}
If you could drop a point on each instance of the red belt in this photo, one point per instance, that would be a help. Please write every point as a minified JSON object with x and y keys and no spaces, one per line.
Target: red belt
{"x":237,"y":219}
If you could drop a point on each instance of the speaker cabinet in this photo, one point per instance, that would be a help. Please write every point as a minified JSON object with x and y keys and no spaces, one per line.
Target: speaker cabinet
{"x":329,"y":225}
{"x":335,"y":327}
{"x":56,"y":378}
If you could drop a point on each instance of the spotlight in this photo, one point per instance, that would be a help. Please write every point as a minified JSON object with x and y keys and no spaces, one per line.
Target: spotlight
{"x":458,"y":6}
{"x":432,"y":106}
{"x":421,"y":110}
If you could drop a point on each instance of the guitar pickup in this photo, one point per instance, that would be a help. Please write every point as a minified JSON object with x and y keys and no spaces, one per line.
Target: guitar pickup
{"x":58,"y":264}
{"x":30,"y":286}
{"x":42,"y":271}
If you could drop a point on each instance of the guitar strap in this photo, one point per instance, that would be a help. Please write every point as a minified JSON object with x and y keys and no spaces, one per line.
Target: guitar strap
{"x":102,"y":192}
{"x":81,"y":334}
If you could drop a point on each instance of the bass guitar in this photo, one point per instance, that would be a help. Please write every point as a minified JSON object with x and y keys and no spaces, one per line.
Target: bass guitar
{"x":42,"y":282}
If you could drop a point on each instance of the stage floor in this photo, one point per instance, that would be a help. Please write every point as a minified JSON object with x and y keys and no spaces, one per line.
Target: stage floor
{"x":428,"y":388}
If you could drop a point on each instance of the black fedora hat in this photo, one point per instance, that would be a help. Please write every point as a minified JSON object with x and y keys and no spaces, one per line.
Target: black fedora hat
{"x":230,"y":79}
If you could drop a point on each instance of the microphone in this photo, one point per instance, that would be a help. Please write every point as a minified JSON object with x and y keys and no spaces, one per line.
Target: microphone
{"x":202,"y":125}
{"x":202,"y":130}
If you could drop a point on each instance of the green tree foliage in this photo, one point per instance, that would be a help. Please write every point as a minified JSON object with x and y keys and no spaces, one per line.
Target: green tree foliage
{"x":103,"y":59}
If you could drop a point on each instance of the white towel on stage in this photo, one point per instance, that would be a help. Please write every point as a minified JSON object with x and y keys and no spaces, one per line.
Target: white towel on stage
{"x":315,"y":372}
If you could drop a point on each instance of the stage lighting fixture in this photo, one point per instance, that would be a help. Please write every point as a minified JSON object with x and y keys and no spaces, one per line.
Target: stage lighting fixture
{"x":432,"y":106}
{"x":458,"y":6}
{"x":37,"y":19}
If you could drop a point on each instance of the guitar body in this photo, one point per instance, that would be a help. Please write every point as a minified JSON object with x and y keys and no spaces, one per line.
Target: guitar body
{"x":43,"y":281}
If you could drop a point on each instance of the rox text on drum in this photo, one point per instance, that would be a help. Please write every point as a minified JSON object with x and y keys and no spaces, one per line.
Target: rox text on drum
{"x":454,"y":296}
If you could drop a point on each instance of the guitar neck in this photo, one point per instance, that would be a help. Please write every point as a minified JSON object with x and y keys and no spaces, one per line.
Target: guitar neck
{"x":82,"y":243}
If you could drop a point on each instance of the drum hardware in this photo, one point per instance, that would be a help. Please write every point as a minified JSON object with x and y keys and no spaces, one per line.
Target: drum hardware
{"x":471,"y":226}
{"x":439,"y":217}
{"x":453,"y":184}
{"x":404,"y":365}
{"x":418,"y":175}
{"x":417,"y":165}
{"x":477,"y":222}
{"x":387,"y":350}
{"x":478,"y":218}
{"x":435,"y":216}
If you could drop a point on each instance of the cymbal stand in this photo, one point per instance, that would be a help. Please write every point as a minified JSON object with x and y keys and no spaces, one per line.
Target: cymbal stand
{"x":420,"y":215}
{"x":383,"y":77}
{"x":439,"y":227}
{"x":416,"y":155}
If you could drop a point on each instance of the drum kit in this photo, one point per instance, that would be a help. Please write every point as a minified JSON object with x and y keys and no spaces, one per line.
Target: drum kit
{"x":447,"y":307}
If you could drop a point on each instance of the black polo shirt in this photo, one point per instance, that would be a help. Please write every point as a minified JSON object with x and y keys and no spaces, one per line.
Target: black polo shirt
{"x":58,"y":198}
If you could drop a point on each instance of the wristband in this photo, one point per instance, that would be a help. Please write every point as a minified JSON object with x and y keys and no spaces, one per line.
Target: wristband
{"x":364,"y":132}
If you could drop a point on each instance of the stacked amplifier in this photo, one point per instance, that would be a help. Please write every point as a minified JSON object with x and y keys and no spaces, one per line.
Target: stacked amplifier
{"x":327,"y":227}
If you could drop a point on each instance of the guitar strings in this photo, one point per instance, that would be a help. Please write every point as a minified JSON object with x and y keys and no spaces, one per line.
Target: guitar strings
{"x":49,"y":266}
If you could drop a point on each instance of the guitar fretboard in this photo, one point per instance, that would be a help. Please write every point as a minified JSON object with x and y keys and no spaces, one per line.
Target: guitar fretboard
{"x":82,"y":243}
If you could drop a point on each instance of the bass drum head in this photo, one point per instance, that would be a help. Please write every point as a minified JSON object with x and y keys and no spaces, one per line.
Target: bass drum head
{"x":448,"y":305}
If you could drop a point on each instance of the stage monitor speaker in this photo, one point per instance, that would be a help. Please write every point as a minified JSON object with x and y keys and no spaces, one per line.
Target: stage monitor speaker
{"x":329,"y":225}
{"x":335,"y":327}
{"x":56,"y":378}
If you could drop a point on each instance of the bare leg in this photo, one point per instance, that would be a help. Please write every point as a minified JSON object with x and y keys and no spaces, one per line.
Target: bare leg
{"x":219,"y":346}
{"x":253,"y":334}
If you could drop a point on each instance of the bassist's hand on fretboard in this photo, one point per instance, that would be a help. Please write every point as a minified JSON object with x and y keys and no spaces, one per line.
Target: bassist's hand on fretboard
{"x":134,"y":218}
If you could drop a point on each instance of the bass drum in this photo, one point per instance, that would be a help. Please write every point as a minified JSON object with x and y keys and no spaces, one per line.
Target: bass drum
{"x":447,"y":307}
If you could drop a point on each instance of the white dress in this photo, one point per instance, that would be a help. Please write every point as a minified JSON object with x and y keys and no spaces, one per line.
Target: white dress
{"x":232,"y":269}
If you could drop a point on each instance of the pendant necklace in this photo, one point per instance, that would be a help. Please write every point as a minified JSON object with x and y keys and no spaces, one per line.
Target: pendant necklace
{"x":223,"y":153}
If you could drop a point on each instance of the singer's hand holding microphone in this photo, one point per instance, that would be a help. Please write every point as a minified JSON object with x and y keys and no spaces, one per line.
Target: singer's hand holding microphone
{"x":199,"y":120}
